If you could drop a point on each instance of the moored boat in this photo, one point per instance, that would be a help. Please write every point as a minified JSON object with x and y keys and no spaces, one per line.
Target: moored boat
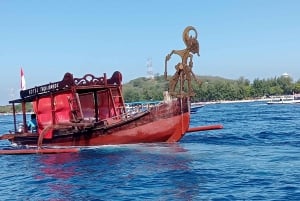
{"x":90,"y":111}
{"x":285,"y":99}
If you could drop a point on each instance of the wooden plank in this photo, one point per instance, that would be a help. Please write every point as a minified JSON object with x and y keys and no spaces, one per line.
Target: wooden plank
{"x":205,"y":128}
{"x":39,"y":151}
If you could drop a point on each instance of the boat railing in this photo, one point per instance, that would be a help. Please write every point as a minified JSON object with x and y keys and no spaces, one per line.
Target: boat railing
{"x":136,"y":107}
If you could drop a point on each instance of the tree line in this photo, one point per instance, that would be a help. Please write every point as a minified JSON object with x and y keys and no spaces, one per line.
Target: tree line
{"x":210,"y":89}
{"x":213,"y":88}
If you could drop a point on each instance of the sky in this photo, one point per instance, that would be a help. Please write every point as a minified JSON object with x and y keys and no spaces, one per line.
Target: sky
{"x":257,"y":39}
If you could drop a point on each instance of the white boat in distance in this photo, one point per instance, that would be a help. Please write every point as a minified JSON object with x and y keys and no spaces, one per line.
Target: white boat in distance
{"x":285,"y":99}
{"x":195,"y":107}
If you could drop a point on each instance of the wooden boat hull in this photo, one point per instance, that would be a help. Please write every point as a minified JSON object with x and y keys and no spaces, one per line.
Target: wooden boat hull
{"x":167,"y":122}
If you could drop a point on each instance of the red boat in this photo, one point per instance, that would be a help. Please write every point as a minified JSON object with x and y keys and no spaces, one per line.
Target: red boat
{"x":90,"y":111}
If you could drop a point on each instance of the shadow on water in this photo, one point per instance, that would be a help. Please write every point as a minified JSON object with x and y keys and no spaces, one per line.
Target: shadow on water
{"x":110,"y":172}
{"x":131,"y":170}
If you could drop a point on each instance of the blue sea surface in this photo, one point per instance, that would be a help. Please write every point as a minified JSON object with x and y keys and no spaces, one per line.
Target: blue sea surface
{"x":256,"y":156}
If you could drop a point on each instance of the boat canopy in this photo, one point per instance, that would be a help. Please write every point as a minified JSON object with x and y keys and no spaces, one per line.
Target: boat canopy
{"x":87,"y":99}
{"x":89,"y":81}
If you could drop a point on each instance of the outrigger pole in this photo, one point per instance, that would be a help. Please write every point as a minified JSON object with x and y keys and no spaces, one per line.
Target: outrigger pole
{"x":38,"y":151}
{"x":205,"y":128}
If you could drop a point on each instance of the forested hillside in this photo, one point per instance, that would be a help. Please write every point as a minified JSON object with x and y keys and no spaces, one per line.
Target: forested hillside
{"x":210,"y":89}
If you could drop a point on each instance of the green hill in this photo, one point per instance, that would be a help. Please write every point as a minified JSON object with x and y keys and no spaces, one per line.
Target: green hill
{"x":211,"y":89}
{"x":142,"y":89}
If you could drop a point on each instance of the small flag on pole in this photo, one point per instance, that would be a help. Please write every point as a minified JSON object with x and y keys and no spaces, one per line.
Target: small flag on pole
{"x":23,"y":83}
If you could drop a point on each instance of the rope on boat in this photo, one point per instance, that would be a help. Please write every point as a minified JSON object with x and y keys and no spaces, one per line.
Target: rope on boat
{"x":56,"y":126}
{"x":41,"y":135}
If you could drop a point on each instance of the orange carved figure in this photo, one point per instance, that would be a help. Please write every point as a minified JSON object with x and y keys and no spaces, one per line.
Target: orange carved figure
{"x":184,"y":68}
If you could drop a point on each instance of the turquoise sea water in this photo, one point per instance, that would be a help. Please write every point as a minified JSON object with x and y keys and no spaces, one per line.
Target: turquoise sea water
{"x":255,"y":157}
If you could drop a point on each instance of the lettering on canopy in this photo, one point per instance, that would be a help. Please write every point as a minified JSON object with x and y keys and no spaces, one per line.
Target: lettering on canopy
{"x":40,"y":89}
{"x":65,"y":83}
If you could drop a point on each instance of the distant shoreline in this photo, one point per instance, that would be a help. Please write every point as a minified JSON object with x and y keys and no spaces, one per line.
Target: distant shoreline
{"x":234,"y":101}
{"x":10,"y":113}
{"x":201,"y":103}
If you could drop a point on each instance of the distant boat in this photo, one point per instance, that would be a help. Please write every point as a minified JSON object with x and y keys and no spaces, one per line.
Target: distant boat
{"x":195,"y":107}
{"x":285,"y":99}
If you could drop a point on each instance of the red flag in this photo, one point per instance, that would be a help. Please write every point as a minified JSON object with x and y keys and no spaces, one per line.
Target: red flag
{"x":23,"y":83}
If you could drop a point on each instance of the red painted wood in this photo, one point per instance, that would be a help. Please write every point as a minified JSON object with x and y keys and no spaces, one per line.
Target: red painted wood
{"x":167,"y":122}
{"x":90,"y":111}
{"x":205,"y":128}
